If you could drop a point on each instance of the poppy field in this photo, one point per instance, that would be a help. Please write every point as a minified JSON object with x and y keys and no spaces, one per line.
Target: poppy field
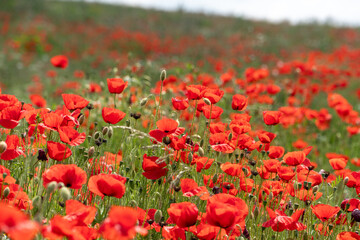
{"x":125,"y":123}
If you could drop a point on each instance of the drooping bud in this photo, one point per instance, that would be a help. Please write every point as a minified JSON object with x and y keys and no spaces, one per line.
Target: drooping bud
{"x":36,"y":201}
{"x":65,"y":193}
{"x":207,"y":101}
{"x":51,"y":187}
{"x":3,"y":146}
{"x":111,"y":132}
{"x":81,"y":119}
{"x":158,"y":216}
{"x":143,"y":101}
{"x":91,"y":151}
{"x":105,"y":130}
{"x":190,"y":157}
{"x":201,"y":152}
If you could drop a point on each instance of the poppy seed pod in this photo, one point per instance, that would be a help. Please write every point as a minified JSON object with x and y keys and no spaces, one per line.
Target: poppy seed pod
{"x":3,"y":146}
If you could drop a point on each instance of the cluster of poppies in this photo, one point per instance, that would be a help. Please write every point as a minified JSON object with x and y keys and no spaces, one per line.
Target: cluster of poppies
{"x":232,"y":152}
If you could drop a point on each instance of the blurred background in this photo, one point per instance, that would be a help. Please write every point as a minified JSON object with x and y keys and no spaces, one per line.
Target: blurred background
{"x":324,"y":11}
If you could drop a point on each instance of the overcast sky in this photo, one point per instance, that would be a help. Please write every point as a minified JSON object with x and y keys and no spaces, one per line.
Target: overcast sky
{"x":345,"y":12}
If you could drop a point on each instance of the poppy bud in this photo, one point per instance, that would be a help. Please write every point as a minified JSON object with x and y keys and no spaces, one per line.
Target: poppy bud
{"x":81,"y":119}
{"x":355,"y":215}
{"x":201,"y":142}
{"x":256,"y":212}
{"x":207,"y":101}
{"x":230,"y":136}
{"x":166,"y":140}
{"x":65,"y":193}
{"x":163,"y":75}
{"x":201,"y":152}
{"x":133,"y":203}
{"x":96,"y":135}
{"x":105,"y":130}
{"x":158,"y":216}
{"x":190,"y":157}
{"x":51,"y":187}
{"x":271,"y":195}
{"x":3,"y":146}
{"x":215,"y":178}
{"x":143,"y":102}
{"x":36,"y":201}
{"x":346,"y":180}
{"x":6,"y":192}
{"x":91,"y":151}
{"x":315,"y":189}
{"x":111,"y":132}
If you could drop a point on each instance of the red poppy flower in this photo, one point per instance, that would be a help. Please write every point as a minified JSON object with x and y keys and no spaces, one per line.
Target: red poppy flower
{"x":16,"y":223}
{"x":13,"y":150}
{"x":324,"y":212}
{"x":10,"y":116}
{"x":280,"y":221}
{"x":271,"y":117}
{"x":294,"y":158}
{"x":81,"y":214}
{"x":183,"y":214}
{"x":212,"y":111}
{"x":70,"y":136}
{"x":112,"y":115}
{"x":266,"y":137}
{"x":122,"y":223}
{"x":116,"y":85}
{"x":180,"y":104}
{"x":190,"y":188}
{"x":71,"y":175}
{"x":59,"y":61}
{"x":38,"y":100}
{"x":73,"y":101}
{"x":61,"y":227}
{"x":152,"y":169}
{"x":214,"y":95}
{"x":224,"y":210}
{"x":167,"y":125}
{"x":348,"y":236}
{"x":195,"y":92}
{"x":276,"y":151}
{"x":353,"y":204}
{"x":107,"y":185}
{"x":338,"y":163}
{"x":58,"y":151}
{"x":239,"y":102}
{"x":285,"y":173}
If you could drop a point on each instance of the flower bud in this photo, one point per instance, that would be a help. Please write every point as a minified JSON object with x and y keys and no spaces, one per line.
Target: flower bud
{"x":158,"y":216}
{"x":190,"y":157}
{"x":105,"y":130}
{"x":65,"y":193}
{"x":91,"y":151}
{"x":201,"y":152}
{"x":207,"y":101}
{"x":3,"y":146}
{"x":111,"y":132}
{"x":6,"y":192}
{"x":81,"y":119}
{"x":143,"y":101}
{"x":163,"y":75}
{"x":96,"y":135}
{"x":51,"y":187}
{"x":36,"y":201}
